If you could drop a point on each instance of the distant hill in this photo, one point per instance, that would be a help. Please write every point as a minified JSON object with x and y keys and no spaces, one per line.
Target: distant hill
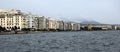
{"x":79,"y":20}
{"x":90,"y":22}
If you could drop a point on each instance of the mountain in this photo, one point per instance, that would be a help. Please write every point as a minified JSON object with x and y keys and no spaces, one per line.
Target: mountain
{"x":90,"y":22}
{"x":79,"y":20}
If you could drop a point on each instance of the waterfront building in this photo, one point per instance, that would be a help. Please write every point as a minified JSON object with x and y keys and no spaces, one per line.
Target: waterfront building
{"x":75,"y":26}
{"x":32,"y":21}
{"x":57,"y":25}
{"x":52,"y":24}
{"x":35,"y":23}
{"x":116,"y":27}
{"x":70,"y":26}
{"x":78,"y":26}
{"x":89,"y":26}
{"x":60,"y":25}
{"x":103,"y":26}
{"x":42,"y":23}
{"x":66,"y":26}
{"x":12,"y":18}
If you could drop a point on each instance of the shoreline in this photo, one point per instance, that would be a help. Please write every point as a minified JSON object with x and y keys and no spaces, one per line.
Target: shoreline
{"x":9,"y":33}
{"x":32,"y":32}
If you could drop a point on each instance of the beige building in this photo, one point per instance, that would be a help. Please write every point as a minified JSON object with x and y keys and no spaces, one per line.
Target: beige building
{"x":75,"y":26}
{"x":36,"y":23}
{"x":60,"y":25}
{"x":52,"y":23}
{"x":72,"y":26}
{"x":42,"y":23}
{"x":89,"y":26}
{"x":9,"y":19}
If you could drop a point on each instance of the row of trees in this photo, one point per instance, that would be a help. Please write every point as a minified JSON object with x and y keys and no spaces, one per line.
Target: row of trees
{"x":15,"y":29}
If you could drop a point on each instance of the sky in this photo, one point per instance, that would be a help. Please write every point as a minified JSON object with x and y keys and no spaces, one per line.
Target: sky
{"x":103,"y":11}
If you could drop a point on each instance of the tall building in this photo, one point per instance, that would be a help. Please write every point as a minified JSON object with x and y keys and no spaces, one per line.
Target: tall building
{"x":66,"y":26}
{"x":12,"y":18}
{"x":36,"y":22}
{"x":32,"y":21}
{"x":60,"y":25}
{"x":42,"y":23}
{"x":75,"y":27}
{"x":52,"y":23}
{"x":78,"y":26}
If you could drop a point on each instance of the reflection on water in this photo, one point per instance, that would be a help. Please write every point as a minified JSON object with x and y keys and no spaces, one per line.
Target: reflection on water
{"x":93,"y":41}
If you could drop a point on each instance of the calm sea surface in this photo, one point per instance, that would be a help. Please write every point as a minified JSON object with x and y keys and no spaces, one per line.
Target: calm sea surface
{"x":81,"y":41}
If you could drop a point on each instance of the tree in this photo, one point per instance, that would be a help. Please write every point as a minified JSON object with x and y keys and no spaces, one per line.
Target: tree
{"x":2,"y":28}
{"x":15,"y":29}
{"x":25,"y":30}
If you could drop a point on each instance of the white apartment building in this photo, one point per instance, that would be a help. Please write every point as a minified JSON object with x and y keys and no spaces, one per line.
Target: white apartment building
{"x":31,"y":21}
{"x":9,"y":19}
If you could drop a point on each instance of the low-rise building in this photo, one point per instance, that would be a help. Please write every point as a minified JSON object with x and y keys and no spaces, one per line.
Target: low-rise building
{"x":89,"y":26}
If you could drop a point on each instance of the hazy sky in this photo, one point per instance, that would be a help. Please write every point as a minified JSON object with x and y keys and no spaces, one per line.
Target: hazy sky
{"x":104,"y":11}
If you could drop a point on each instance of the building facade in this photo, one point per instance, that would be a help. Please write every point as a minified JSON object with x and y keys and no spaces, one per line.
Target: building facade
{"x":60,"y":25}
{"x":10,"y":19}
{"x":52,"y":24}
{"x":32,"y":21}
{"x":42,"y":21}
